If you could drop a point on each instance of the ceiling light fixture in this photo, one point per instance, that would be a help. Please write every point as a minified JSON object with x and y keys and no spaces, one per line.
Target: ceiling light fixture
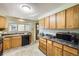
{"x":26,"y":8}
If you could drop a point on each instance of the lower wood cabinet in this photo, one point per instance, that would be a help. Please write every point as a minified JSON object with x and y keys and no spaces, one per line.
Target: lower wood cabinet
{"x":16,"y":41}
{"x":6,"y":43}
{"x":42,"y":45}
{"x":12,"y":42}
{"x":65,"y":53}
{"x":68,"y":51}
{"x":57,"y":49}
{"x":50,"y":48}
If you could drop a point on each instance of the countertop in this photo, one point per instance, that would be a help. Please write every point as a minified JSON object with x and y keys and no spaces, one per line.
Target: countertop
{"x":76,"y":46}
{"x":11,"y":35}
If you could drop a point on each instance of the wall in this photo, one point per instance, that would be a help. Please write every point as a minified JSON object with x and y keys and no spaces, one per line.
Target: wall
{"x":12,"y":20}
{"x":53,"y":32}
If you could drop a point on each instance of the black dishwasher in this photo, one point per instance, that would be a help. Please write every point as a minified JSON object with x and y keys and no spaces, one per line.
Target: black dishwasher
{"x":25,"y":40}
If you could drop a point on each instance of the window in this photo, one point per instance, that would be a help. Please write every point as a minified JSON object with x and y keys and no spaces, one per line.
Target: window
{"x":28,"y":27}
{"x":20,"y":27}
{"x":13,"y":27}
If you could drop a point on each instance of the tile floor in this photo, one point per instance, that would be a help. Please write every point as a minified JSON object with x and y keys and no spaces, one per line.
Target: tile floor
{"x":29,"y":50}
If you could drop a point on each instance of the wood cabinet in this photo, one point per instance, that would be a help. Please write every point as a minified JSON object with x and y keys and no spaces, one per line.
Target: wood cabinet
{"x":61,"y":20}
{"x":50,"y":48}
{"x":41,"y":23}
{"x":52,"y":22}
{"x":42,"y":45}
{"x":16,"y":41}
{"x":68,"y":51}
{"x":12,"y":42}
{"x":2,"y":23}
{"x":57,"y":48}
{"x":72,"y":17}
{"x":66,"y":19}
{"x":47,"y":22}
{"x":6,"y":43}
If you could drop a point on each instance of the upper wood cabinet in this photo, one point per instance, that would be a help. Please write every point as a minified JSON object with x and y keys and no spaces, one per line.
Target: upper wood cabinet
{"x":41,"y":23}
{"x":47,"y":22}
{"x":61,"y":20}
{"x":72,"y":17}
{"x":2,"y":23}
{"x":53,"y":21}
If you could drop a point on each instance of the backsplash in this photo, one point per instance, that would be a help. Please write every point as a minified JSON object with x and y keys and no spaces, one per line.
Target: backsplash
{"x":53,"y":32}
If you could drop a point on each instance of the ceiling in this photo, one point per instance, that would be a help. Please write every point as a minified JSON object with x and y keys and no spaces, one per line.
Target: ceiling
{"x":13,"y":9}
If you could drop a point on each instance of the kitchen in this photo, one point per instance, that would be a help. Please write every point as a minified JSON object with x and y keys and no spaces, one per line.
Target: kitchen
{"x":52,"y":31}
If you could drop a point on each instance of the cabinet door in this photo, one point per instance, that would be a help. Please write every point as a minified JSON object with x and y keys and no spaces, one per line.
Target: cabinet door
{"x":47,"y":22}
{"x":61,"y":20}
{"x":2,"y":22}
{"x":19,"y":41}
{"x":49,"y":48}
{"x":69,"y":51}
{"x":41,"y":23}
{"x":16,"y":41}
{"x":57,"y":49}
{"x":53,"y":22}
{"x":6,"y":43}
{"x":72,"y":17}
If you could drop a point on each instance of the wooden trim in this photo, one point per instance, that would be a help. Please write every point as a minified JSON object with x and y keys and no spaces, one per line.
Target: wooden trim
{"x":56,"y":20}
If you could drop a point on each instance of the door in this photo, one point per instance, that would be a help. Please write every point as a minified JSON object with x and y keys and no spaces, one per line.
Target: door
{"x":37,"y":31}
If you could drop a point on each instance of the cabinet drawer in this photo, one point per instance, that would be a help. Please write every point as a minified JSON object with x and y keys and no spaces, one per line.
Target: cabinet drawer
{"x":49,"y":42}
{"x":57,"y":45}
{"x":43,"y":40}
{"x":65,"y":53}
{"x":71,"y":50}
{"x":44,"y":46}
